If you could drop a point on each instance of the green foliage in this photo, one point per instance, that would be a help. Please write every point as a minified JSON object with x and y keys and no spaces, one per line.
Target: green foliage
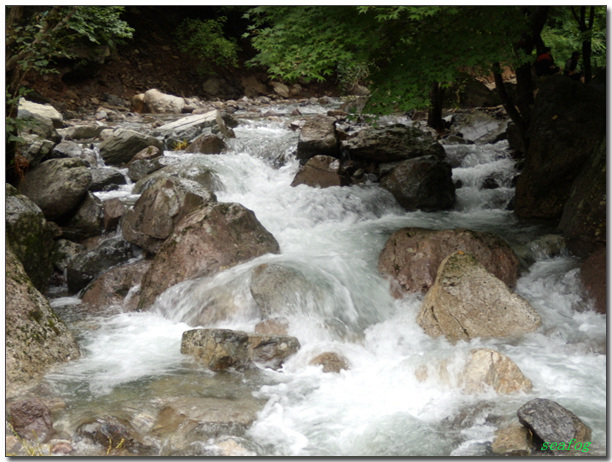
{"x":205,"y":41}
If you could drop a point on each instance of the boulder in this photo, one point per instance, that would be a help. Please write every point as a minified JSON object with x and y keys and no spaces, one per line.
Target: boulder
{"x":480,"y":127}
{"x":549,"y":421}
{"x":489,"y":368}
{"x":189,"y":170}
{"x":63,"y":252}
{"x":280,"y":89}
{"x":112,"y":211}
{"x":57,"y":186}
{"x":86,"y":222}
{"x":331,"y":362}
{"x":117,"y":286}
{"x":424,"y":183}
{"x":31,"y":419}
{"x":318,"y":137}
{"x":253,"y":86}
{"x":274,"y":326}
{"x":35,"y":150}
{"x":511,"y":441}
{"x":212,"y":238}
{"x":162,"y":103}
{"x":81,"y":132}
{"x":583,"y":221}
{"x":568,"y":124}
{"x":272,"y":350}
{"x":85,"y":267}
{"x":466,"y":301}
{"x":113,"y":434}
{"x":320,"y":171}
{"x":593,"y":275}
{"x":29,"y":236}
{"x":68,"y":149}
{"x":150,"y":152}
{"x":218,"y":349}
{"x":390,"y":144}
{"x":105,"y":179}
{"x":186,"y":128}
{"x":139,"y":169}
{"x":139,"y":105}
{"x":207,"y":144}
{"x":29,"y":110}
{"x":35,"y":338}
{"x":412,"y":256}
{"x":124,"y":144}
{"x":159,"y":208}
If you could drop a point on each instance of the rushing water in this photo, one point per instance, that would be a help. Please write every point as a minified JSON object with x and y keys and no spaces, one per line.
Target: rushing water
{"x":333,"y":238}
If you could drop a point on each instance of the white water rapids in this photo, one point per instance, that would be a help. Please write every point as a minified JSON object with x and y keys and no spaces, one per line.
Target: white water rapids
{"x":333,"y":237}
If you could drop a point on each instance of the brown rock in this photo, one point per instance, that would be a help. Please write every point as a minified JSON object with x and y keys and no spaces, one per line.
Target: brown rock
{"x":511,"y":441}
{"x":331,"y":362}
{"x":276,"y":326}
{"x":593,"y":275}
{"x":150,"y":152}
{"x":112,"y":211}
{"x":218,"y":349}
{"x":412,"y":256}
{"x":272,"y":350}
{"x":318,"y":137}
{"x":489,"y":368}
{"x":466,"y":301}
{"x":207,"y":144}
{"x":320,"y":171}
{"x":31,"y":419}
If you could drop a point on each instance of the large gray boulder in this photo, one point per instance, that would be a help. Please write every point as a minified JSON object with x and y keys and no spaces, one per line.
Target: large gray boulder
{"x":57,"y":186}
{"x":105,"y":179}
{"x":81,"y":132}
{"x":390,"y":144}
{"x":30,"y":110}
{"x":159,"y":208}
{"x":163,"y":103}
{"x":411,"y":256}
{"x":318,"y":137}
{"x":186,"y":169}
{"x":423,"y":183}
{"x":211,"y":238}
{"x":35,"y":338}
{"x":186,"y":128}
{"x":29,"y":236}
{"x":124,"y":144}
{"x":466,"y":301}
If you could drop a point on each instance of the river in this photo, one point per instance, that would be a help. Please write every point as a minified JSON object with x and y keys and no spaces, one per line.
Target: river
{"x":333,"y":238}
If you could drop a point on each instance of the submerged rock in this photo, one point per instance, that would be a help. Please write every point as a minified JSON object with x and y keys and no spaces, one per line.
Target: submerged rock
{"x":31,"y":419}
{"x":489,"y":368}
{"x":331,"y":362}
{"x":218,"y":349}
{"x":466,"y":301}
{"x":272,"y":350}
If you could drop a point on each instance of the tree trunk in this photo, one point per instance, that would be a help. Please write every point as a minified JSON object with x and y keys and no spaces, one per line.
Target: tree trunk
{"x":434,"y":114}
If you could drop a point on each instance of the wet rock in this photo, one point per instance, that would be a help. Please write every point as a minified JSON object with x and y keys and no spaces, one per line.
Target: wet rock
{"x":593,"y":275}
{"x":412,"y":256}
{"x":86,"y":267}
{"x":57,"y":186}
{"x":124,"y":144}
{"x":103,"y":178}
{"x":118,"y":286}
{"x":62,"y":448}
{"x":218,"y":349}
{"x":331,"y":362}
{"x":68,"y":149}
{"x":141,"y":168}
{"x":272,"y":350}
{"x":320,"y":171}
{"x":274,"y":326}
{"x":81,"y":132}
{"x":186,"y":128}
{"x":36,"y":149}
{"x":466,"y":301}
{"x":113,"y":434}
{"x":35,"y":338}
{"x":162,"y":103}
{"x":423,"y":183}
{"x":30,"y":237}
{"x":390,"y":144}
{"x":511,"y":441}
{"x":549,"y":421}
{"x":188,"y":170}
{"x":489,"y":368}
{"x":318,"y":137}
{"x":231,"y":447}
{"x":87,"y":221}
{"x":150,"y":152}
{"x":207,"y":144}
{"x":63,"y":252}
{"x":211,"y":238}
{"x":31,"y":419}
{"x":112,"y":211}
{"x":158,"y":210}
{"x":225,"y":122}
{"x":481,"y":128}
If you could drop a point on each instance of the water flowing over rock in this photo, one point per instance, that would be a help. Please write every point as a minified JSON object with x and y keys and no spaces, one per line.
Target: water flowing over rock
{"x":550,"y":421}
{"x":320,"y":171}
{"x":209,"y":239}
{"x":489,"y":368}
{"x":35,"y":338}
{"x":568,"y":123}
{"x":466,"y":301}
{"x":412,"y":256}
{"x":162,"y":103}
{"x":159,"y":208}
{"x":187,"y":170}
{"x":331,"y":362}
{"x":57,"y":186}
{"x":390,"y":144}
{"x":318,"y":137}
{"x":29,"y":237}
{"x":31,"y":419}
{"x":272,"y":350}
{"x":124,"y":144}
{"x":105,"y":179}
{"x":424,"y":183}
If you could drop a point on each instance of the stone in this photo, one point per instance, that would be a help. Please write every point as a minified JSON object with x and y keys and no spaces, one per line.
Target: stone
{"x":35,"y":338}
{"x":35,"y":149}
{"x":112,"y":211}
{"x":550,"y":421}
{"x":210,"y":239}
{"x":489,"y":368}
{"x":207,"y":144}
{"x":158,"y":210}
{"x":118,"y":286}
{"x":466,"y":301}
{"x":57,"y":186}
{"x":272,"y":350}
{"x":411,"y":256}
{"x":274,"y":326}
{"x":28,"y":110}
{"x":423,"y":183}
{"x":102,"y":178}
{"x":124,"y":144}
{"x":390,"y":144}
{"x":187,"y":128}
{"x":511,"y":441}
{"x":85,"y":267}
{"x":186,"y":169}
{"x":139,"y":169}
{"x":112,"y":434}
{"x":87,"y":221}
{"x":29,"y":236}
{"x":31,"y":419}
{"x":81,"y":132}
{"x":318,"y":137}
{"x":139,"y":105}
{"x":593,"y":275}
{"x":253,"y":87}
{"x":480,"y":127}
{"x":68,"y":149}
{"x":280,"y":89}
{"x":63,"y":252}
{"x":331,"y":362}
{"x":320,"y":171}
{"x":162,"y":103}
{"x":150,"y":152}
{"x":217,"y":349}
